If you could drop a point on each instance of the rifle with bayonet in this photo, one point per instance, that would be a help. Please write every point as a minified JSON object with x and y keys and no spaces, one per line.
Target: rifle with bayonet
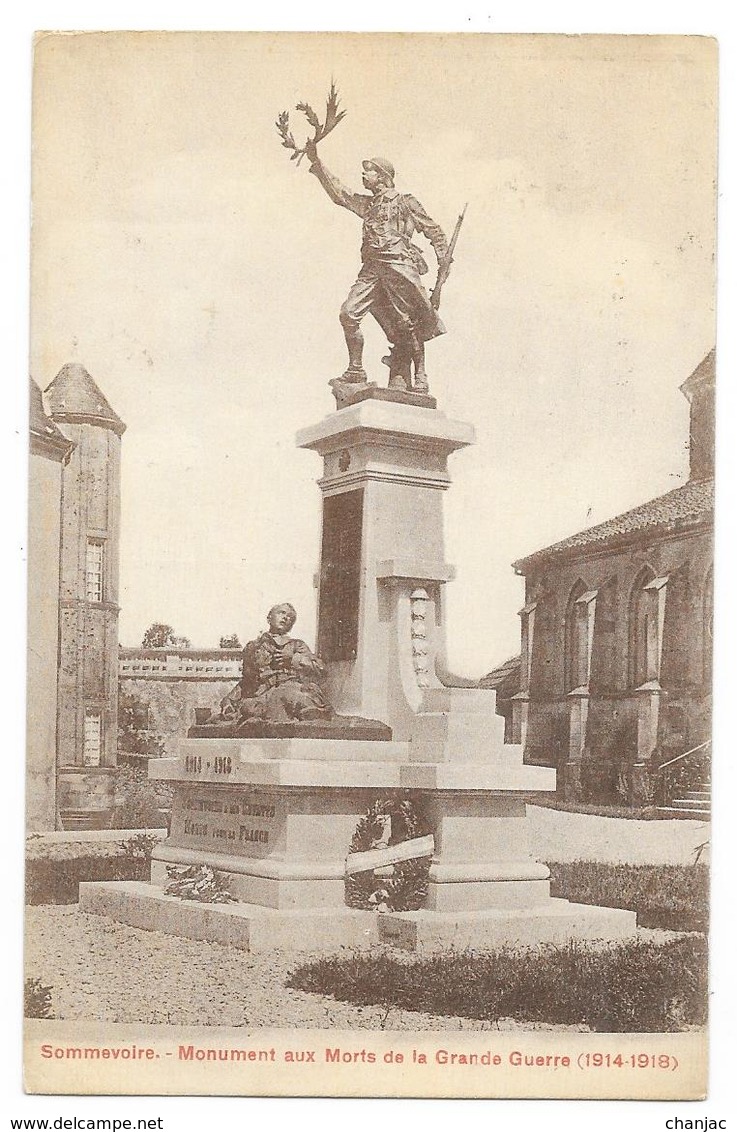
{"x":445,"y":263}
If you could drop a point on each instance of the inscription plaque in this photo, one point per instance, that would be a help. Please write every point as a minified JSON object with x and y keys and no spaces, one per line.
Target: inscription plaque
{"x":340,"y":570}
{"x":242,"y":822}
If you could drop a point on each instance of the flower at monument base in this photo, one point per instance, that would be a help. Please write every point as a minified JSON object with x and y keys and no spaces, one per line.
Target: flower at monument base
{"x":198,"y":882}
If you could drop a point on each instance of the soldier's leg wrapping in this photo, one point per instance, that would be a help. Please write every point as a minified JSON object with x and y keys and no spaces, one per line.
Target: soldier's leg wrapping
{"x":354,"y":309}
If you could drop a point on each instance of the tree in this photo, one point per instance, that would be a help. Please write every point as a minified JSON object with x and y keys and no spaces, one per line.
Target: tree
{"x":232,"y":641}
{"x":135,"y":736}
{"x":159,"y":636}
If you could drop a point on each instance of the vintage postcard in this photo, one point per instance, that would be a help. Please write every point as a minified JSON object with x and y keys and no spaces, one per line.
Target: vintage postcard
{"x":370,"y":565}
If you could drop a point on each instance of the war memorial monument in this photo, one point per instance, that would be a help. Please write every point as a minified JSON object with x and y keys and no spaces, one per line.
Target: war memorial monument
{"x":268,"y":792}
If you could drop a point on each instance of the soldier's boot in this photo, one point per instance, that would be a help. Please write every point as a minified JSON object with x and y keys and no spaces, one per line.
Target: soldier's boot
{"x":355,"y":374}
{"x":418,"y":357}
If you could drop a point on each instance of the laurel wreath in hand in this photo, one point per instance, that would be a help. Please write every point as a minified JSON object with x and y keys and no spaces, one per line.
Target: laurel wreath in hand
{"x":333,"y":115}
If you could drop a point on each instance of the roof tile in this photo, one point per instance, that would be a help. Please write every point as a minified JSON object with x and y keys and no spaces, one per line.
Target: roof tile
{"x":691,"y":502}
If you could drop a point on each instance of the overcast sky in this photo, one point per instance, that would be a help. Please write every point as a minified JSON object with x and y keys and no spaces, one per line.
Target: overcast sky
{"x":197,"y":274}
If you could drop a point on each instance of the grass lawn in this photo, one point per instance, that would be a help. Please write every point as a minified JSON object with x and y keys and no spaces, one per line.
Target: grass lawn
{"x":675,"y":897}
{"x":54,"y":870}
{"x":637,"y":986}
{"x":634,"y":987}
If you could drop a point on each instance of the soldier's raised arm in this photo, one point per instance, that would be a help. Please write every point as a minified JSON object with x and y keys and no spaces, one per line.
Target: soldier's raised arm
{"x":336,"y":190}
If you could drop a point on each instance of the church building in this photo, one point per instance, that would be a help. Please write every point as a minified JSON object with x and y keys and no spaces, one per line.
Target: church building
{"x":614,"y":685}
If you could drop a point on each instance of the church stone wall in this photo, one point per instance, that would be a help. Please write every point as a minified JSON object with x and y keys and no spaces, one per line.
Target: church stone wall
{"x":611,"y":728}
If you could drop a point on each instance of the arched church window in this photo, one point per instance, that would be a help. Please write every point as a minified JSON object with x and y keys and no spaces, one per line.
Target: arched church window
{"x":576,"y":644}
{"x":94,"y":570}
{"x":640,"y":628}
{"x":647,"y":607}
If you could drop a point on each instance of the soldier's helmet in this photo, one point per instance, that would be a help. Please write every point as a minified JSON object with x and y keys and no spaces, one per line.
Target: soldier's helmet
{"x":382,"y":164}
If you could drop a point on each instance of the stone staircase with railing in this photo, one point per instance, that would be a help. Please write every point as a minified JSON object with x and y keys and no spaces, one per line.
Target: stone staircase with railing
{"x":694,"y":804}
{"x":684,"y":795}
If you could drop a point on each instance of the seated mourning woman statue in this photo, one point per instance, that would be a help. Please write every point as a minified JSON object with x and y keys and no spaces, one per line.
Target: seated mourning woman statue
{"x":280,"y":678}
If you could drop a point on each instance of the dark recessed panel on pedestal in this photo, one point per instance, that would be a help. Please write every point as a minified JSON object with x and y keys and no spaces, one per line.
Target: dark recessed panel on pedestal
{"x":340,"y":566}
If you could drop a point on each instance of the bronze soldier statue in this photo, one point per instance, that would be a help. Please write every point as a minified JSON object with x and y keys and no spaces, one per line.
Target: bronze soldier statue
{"x":389,"y":284}
{"x":280,"y":679}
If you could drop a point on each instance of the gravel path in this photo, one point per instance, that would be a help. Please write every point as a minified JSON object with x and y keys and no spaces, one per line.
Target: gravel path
{"x":106,"y":971}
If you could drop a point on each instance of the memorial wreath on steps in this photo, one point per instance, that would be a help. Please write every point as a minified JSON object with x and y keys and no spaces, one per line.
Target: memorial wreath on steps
{"x":388,"y":864}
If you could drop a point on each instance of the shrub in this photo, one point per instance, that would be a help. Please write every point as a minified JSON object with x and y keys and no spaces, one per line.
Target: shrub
{"x":139,"y":800}
{"x":664,"y":896}
{"x":638,"y":813}
{"x":135,"y":737}
{"x":55,"y":879}
{"x":690,"y":773}
{"x":631,"y":987}
{"x":37,"y":999}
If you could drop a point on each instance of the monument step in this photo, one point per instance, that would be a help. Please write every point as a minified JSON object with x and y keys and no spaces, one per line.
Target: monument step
{"x":240,"y":769}
{"x":296,"y":749}
{"x":206,"y":761}
{"x":250,"y":927}
{"x":461,"y":737}
{"x":474,"y":701}
{"x":551,"y":921}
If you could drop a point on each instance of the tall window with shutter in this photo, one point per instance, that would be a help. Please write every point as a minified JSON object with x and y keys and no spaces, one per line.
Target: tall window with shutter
{"x":95,"y":569}
{"x":92,"y":737}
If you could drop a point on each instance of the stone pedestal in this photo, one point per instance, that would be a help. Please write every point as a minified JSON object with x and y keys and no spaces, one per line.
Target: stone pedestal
{"x":482,"y":856}
{"x":277,"y":815}
{"x":385,"y":469}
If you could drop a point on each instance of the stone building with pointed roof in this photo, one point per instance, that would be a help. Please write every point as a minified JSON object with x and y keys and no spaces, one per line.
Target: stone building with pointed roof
{"x":49,"y":451}
{"x":74,"y":531}
{"x":615,"y":672}
{"x":73,"y":398}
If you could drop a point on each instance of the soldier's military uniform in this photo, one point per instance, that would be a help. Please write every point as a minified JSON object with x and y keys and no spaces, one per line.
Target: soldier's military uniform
{"x":389,"y":284}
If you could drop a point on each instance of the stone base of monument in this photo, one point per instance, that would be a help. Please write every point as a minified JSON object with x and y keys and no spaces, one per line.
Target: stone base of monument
{"x":554,"y":921}
{"x":249,"y":927}
{"x":276,"y":817}
{"x":252,"y":927}
{"x":348,"y":393}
